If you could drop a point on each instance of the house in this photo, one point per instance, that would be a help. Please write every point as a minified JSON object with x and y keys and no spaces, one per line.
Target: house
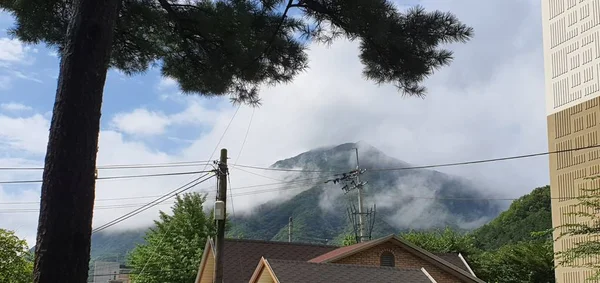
{"x":387,"y":259}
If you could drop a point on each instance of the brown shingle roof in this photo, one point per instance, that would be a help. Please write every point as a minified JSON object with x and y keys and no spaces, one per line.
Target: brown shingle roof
{"x":240,"y":257}
{"x":338,"y":252}
{"x":460,"y":271}
{"x":305,"y":272}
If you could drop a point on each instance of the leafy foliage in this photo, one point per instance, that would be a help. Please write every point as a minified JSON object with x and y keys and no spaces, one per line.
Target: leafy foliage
{"x":528,"y":261}
{"x":583,"y":224}
{"x":442,"y":241}
{"x":528,"y":214}
{"x":16,"y":264}
{"x":234,"y":46}
{"x":174,"y":247}
{"x":349,"y":240}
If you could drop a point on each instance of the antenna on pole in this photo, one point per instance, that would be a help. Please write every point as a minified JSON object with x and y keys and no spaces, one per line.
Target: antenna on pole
{"x":362,"y":221}
{"x":359,"y":188}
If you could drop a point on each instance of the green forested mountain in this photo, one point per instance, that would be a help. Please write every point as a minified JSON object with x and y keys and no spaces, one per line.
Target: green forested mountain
{"x":530,"y":213}
{"x":405,"y":199}
{"x":510,"y":250}
{"x":113,"y":246}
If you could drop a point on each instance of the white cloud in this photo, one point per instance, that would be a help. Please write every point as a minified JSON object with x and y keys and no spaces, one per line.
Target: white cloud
{"x":11,"y":50}
{"x":13,"y":106}
{"x":141,"y":122}
{"x":166,"y":83}
{"x":30,"y":77}
{"x":144,"y":122}
{"x":29,"y":134}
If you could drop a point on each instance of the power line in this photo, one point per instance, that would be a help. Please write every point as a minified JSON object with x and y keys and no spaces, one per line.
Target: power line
{"x":237,"y":159}
{"x":430,"y":166}
{"x":230,"y":195}
{"x":112,"y":177}
{"x":117,"y":206}
{"x":155,"y":196}
{"x":106,"y":199}
{"x":161,"y":199}
{"x":256,"y":174}
{"x":127,"y":166}
{"x":245,"y":137}
{"x":7,"y":211}
{"x":210,"y":158}
{"x":298,"y":182}
{"x":286,"y":170}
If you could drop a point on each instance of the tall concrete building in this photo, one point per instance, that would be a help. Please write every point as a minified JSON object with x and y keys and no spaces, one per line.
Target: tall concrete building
{"x":572,"y":74}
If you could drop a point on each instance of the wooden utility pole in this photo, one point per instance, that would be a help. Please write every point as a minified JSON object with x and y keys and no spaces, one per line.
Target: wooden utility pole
{"x":220,"y":216}
{"x":290,"y":229}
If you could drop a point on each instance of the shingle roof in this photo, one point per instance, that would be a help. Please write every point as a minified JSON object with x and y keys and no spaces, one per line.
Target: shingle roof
{"x":346,"y":250}
{"x":240,"y":257}
{"x":460,"y":270}
{"x":303,"y":272}
{"x":340,"y":251}
{"x":454,"y":259}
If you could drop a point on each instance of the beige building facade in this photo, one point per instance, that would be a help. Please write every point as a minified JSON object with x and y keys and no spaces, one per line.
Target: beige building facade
{"x":571,"y":32}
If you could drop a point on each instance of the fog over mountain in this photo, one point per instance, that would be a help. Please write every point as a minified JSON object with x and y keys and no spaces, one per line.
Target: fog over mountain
{"x":405,"y":198}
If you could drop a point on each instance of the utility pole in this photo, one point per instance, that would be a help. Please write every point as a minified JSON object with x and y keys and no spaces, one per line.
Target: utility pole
{"x":361,"y":215}
{"x":220,"y":216}
{"x":290,"y":228}
{"x":357,"y":216}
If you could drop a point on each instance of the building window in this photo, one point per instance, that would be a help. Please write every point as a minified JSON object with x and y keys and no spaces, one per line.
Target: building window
{"x":387,"y":259}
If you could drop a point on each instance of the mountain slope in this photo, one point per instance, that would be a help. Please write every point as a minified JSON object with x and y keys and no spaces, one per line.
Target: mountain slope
{"x":405,"y":199}
{"x":114,"y":246}
{"x":530,"y":213}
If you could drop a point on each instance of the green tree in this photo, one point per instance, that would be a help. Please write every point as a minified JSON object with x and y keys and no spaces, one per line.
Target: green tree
{"x":15,"y":260}
{"x":349,"y":240}
{"x":523,"y":262}
{"x":583,"y":224}
{"x":222,"y":47}
{"x":441,"y":241}
{"x":174,"y":247}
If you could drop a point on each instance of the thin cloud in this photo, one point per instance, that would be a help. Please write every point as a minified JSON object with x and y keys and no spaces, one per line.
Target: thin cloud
{"x":16,"y":107}
{"x":11,"y":50}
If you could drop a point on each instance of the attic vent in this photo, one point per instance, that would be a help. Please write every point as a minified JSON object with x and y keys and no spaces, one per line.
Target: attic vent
{"x":387,"y":259}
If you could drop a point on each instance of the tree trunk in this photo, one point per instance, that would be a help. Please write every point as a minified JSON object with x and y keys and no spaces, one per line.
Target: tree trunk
{"x":62,"y":251}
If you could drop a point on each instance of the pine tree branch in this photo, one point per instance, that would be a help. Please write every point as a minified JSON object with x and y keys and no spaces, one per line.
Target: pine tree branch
{"x":177,"y":19}
{"x":274,"y":36}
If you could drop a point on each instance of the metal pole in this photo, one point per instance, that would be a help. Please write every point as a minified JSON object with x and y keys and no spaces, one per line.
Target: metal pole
{"x":222,"y":196}
{"x":361,"y":220}
{"x":290,"y":228}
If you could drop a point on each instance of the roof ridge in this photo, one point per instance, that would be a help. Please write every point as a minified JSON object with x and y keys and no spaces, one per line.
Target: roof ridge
{"x":279,"y":242}
{"x":344,"y":265}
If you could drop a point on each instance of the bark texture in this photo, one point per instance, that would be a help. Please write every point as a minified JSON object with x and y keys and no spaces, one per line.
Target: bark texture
{"x":62,"y":250}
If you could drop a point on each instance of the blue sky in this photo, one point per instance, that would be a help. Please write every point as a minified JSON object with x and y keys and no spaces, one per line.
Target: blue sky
{"x":488,"y":103}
